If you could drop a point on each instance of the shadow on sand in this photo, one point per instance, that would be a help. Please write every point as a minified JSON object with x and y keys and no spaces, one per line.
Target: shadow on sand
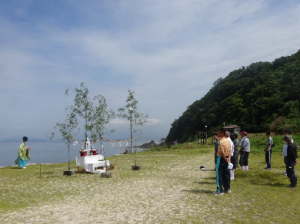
{"x":198,"y":191}
{"x":270,"y":184}
{"x":204,"y":182}
{"x":16,"y":168}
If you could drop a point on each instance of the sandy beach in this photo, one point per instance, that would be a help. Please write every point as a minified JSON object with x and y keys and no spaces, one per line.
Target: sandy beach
{"x":159,"y":193}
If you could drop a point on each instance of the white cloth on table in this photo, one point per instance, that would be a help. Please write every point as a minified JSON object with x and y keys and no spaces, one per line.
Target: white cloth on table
{"x":96,"y":160}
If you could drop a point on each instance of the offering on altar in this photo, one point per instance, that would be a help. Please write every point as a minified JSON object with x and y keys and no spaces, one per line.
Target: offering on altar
{"x":93,"y":152}
{"x":86,"y":148}
{"x":83,"y":152}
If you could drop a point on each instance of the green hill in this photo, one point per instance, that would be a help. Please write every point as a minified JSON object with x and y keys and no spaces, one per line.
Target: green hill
{"x":255,"y":97}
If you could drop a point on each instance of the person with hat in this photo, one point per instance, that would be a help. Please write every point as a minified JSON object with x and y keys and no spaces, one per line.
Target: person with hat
{"x":244,"y":151}
{"x":291,"y":160}
{"x":23,"y":154}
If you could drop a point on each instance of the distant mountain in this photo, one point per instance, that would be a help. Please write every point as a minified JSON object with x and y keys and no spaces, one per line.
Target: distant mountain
{"x":261,"y":96}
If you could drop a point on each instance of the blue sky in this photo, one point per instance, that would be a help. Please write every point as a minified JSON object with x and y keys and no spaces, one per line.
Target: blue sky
{"x":168,"y":52}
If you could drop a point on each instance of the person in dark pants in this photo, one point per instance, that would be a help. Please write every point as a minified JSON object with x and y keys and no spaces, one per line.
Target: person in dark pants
{"x":286,"y":132}
{"x":223,"y":158}
{"x":268,"y":150}
{"x":216,"y":150}
{"x":236,"y":149}
{"x":244,"y":151}
{"x":291,"y":160}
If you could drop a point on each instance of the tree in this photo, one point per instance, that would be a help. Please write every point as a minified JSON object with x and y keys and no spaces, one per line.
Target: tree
{"x":100,"y":117}
{"x":94,"y":111}
{"x":130,"y":113}
{"x":83,"y":107}
{"x":67,"y":127}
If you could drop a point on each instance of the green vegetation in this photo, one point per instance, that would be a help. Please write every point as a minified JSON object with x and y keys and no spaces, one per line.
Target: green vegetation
{"x":258,"y":97}
{"x":258,"y":142}
{"x":170,"y":188}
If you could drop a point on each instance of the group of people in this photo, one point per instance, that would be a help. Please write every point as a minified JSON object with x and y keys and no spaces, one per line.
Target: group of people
{"x":290,"y":155}
{"x":227,"y":152}
{"x":226,"y":157}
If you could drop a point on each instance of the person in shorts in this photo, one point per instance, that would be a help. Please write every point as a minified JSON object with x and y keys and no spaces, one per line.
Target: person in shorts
{"x":244,"y":151}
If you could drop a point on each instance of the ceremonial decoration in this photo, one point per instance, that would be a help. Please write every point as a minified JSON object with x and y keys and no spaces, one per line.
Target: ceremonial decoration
{"x":88,"y":145}
{"x":96,"y":116}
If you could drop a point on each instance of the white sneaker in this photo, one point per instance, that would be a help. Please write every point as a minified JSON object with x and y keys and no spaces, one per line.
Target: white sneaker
{"x":24,"y":167}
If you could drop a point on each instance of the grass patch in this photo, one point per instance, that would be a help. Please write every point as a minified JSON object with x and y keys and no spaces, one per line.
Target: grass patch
{"x":170,"y":188}
{"x":258,"y":142}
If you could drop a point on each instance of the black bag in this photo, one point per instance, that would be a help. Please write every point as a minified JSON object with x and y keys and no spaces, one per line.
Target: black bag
{"x":273,"y":145}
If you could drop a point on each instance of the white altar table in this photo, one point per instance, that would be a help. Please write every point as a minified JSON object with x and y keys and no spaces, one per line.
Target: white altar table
{"x":91,"y":162}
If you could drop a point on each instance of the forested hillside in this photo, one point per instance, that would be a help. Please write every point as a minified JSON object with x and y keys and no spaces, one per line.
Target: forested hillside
{"x":260,"y":96}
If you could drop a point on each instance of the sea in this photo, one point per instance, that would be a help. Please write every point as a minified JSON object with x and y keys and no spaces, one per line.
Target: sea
{"x":56,"y":152}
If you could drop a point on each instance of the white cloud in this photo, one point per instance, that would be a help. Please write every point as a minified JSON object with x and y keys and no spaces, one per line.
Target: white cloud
{"x":117,"y":121}
{"x":169,"y":53}
{"x":153,"y":121}
{"x":150,"y":121}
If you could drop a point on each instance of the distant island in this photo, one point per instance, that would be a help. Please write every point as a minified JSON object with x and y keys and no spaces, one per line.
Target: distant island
{"x":19,"y":139}
{"x":151,"y":144}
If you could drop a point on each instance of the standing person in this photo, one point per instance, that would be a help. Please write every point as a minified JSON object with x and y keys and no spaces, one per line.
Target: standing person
{"x":23,"y":154}
{"x":286,"y":132}
{"x":216,"y":149}
{"x":223,"y":158}
{"x":244,"y":151}
{"x":268,"y":150}
{"x":291,"y":159}
{"x":236,"y":149}
{"x":231,"y":171}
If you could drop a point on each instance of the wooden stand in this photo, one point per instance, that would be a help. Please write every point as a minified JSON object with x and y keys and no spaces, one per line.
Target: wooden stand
{"x":78,"y":170}
{"x":68,"y":173}
{"x":135,"y":167}
{"x":113,"y":166}
{"x":106,"y":175}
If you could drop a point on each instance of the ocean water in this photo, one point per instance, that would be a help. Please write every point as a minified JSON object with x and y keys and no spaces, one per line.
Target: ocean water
{"x":53,"y":152}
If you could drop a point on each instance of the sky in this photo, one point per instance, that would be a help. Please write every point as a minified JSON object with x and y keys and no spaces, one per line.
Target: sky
{"x":168,"y":52}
